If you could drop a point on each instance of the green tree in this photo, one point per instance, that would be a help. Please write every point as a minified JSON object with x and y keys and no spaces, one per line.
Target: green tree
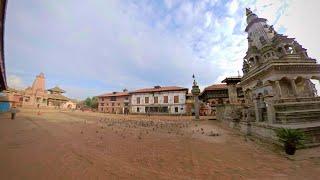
{"x":94,"y":103}
{"x":88,"y":102}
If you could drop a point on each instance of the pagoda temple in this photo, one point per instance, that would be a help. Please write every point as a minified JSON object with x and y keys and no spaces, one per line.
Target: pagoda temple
{"x":55,"y":98}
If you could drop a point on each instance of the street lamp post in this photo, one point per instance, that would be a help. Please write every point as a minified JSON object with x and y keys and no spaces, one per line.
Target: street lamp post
{"x":195,"y":92}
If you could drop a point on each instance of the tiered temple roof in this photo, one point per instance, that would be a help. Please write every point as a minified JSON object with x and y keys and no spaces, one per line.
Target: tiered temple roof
{"x":56,"y":89}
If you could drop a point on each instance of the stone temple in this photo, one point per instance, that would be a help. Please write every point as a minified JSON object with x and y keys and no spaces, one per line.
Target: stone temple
{"x":277,"y":86}
{"x":37,"y":96}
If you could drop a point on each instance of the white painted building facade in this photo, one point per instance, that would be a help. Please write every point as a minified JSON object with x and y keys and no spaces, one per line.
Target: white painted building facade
{"x":164,"y":101}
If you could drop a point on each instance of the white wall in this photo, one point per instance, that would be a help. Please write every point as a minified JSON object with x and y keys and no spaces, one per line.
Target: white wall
{"x":171,"y":105}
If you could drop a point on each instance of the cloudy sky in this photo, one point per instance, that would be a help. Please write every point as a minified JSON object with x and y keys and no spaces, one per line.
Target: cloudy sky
{"x":92,"y":47}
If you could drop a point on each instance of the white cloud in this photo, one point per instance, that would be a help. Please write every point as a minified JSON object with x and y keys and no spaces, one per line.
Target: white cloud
{"x":208,"y":21}
{"x":300,"y":21}
{"x":132,"y":44}
{"x":233,"y":7}
{"x":230,"y":24}
{"x":15,"y":82}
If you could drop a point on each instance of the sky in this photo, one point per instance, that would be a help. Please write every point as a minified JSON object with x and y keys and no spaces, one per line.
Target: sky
{"x":91,"y":47}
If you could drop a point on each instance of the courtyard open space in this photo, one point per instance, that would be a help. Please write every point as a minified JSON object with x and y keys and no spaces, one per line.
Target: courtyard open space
{"x":87,"y":145}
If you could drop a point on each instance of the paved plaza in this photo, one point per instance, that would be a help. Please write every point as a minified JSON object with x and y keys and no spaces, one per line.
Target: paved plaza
{"x":83,"y":145}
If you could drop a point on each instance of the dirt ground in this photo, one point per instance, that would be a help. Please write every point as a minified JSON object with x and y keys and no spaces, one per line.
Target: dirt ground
{"x":78,"y":145}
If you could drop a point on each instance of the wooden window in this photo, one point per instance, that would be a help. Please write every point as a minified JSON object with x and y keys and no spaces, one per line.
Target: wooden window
{"x":176,"y":109}
{"x":113,"y":98}
{"x":176,"y":99}
{"x":155,"y":100}
{"x":146,"y":100}
{"x":112,"y":105}
{"x":165,"y":99}
{"x":138,"y":100}
{"x":101,"y":104}
{"x":102,"y":99}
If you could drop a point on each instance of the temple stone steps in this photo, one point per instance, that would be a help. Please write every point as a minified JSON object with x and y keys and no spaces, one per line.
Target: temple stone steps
{"x":297,"y":106}
{"x":308,"y":115}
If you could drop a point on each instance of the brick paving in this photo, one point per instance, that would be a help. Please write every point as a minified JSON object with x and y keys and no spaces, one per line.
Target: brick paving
{"x":77,"y":145}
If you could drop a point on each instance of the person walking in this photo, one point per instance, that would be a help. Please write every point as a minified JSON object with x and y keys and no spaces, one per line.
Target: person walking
{"x":13,"y":112}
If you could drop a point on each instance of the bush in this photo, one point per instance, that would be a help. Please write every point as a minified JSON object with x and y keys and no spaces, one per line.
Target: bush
{"x":291,"y":138}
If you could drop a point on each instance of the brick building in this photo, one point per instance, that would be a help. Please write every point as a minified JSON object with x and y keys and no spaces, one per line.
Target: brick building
{"x":115,"y":102}
{"x":216,"y":94}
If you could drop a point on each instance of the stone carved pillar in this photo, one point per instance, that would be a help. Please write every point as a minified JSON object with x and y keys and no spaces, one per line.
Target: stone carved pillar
{"x":256,"y":110}
{"x":278,"y":89}
{"x":195,"y":92}
{"x":270,"y":109}
{"x":294,"y":87}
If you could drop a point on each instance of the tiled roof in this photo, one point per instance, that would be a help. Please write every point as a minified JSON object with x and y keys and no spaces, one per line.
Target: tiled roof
{"x":160,"y":89}
{"x":56,"y":89}
{"x":232,"y":79}
{"x":114,"y":94}
{"x":58,"y":97}
{"x":216,"y":87}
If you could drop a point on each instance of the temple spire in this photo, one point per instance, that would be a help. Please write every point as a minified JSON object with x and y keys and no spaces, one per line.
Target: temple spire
{"x":250,"y":15}
{"x":39,"y":83}
{"x":248,"y":11}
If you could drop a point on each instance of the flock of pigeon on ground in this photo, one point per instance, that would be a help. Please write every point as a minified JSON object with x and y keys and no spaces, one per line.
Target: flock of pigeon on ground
{"x":142,"y":128}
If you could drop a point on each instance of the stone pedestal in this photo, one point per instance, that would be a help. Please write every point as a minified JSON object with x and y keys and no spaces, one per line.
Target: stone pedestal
{"x":196,"y":107}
